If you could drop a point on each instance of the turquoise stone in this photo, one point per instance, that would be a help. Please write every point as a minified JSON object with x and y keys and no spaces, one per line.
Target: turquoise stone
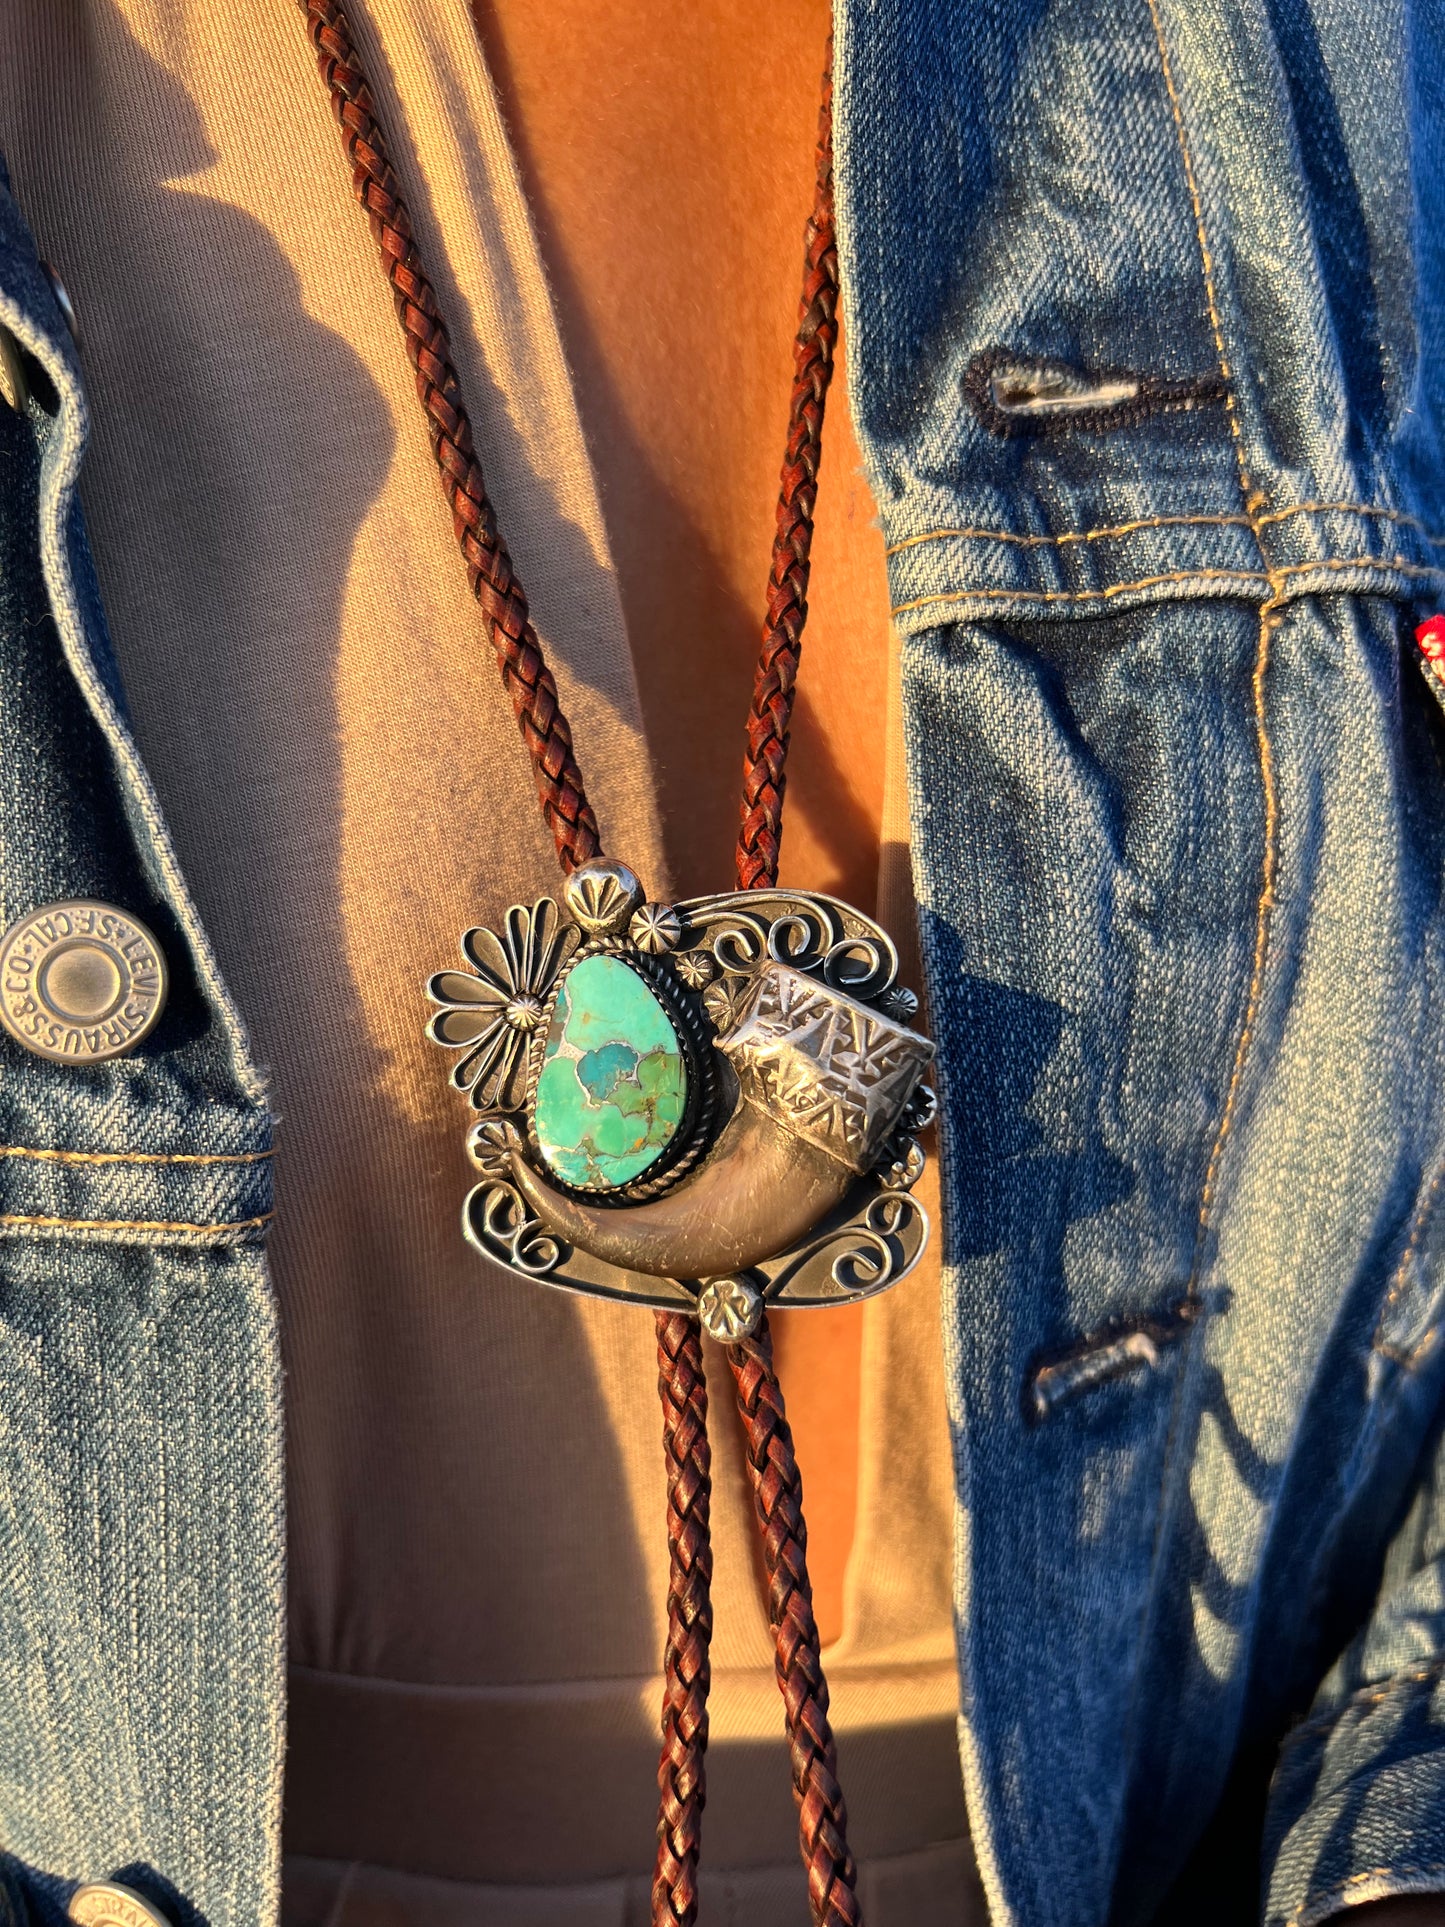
{"x":613,"y":1086}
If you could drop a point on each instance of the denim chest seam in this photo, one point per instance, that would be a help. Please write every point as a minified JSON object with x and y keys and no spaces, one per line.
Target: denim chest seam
{"x":1111,"y":533}
{"x":137,"y":1230}
{"x":134,"y":1157}
{"x":1378,"y":575}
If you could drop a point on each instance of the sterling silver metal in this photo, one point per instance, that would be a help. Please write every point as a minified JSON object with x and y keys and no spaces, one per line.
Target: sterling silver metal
{"x":789,"y":1180}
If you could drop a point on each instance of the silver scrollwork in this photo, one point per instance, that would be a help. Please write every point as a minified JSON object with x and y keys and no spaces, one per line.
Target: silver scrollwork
{"x":870,"y":1250}
{"x":849,"y":950}
{"x":498,"y":1222}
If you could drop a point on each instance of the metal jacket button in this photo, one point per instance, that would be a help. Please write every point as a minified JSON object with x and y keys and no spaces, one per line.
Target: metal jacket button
{"x":102,"y":1903}
{"x":80,"y":981}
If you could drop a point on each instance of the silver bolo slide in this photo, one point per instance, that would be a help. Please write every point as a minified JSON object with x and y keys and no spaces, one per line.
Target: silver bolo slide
{"x":707,"y":1106}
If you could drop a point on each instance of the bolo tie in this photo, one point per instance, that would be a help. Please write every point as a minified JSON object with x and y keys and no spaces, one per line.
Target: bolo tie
{"x":706,"y":1107}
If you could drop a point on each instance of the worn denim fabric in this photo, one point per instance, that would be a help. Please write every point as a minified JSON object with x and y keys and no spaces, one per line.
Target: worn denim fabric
{"x":1178,"y":790}
{"x":140,"y":1449}
{"x":1142,"y":300}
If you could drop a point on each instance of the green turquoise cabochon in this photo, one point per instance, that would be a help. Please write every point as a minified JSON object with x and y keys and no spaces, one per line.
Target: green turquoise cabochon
{"x":613,"y":1086}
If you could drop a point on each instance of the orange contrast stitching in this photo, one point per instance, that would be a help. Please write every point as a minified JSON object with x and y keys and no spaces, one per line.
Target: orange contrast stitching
{"x":1410,"y":1360}
{"x":1364,"y":1697}
{"x":135,"y":1157}
{"x":1074,"y":535}
{"x":1423,"y":1211}
{"x":134,"y":1224}
{"x":1253,"y":578}
{"x":1251,"y":502}
{"x":1166,"y":522}
{"x":1324,"y":1905}
{"x":1396,"y":564}
{"x":1264,"y":910}
{"x":1353,"y":508}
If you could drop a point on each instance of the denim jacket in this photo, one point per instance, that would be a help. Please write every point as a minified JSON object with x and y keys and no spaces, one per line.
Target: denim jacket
{"x":1142,"y":309}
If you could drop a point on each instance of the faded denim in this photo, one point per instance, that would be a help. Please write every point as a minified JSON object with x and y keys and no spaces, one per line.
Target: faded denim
{"x":1178,"y":791}
{"x":1178,"y":785}
{"x":141,"y":1534}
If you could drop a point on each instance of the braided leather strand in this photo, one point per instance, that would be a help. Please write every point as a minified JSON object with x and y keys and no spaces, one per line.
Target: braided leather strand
{"x":494,"y":583}
{"x":529,"y":682}
{"x":681,"y":1784}
{"x":769,"y":719}
{"x":772,"y":1464}
{"x":778,"y":1500}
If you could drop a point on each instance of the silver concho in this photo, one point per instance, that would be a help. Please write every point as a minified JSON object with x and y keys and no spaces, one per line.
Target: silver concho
{"x":748,"y":1141}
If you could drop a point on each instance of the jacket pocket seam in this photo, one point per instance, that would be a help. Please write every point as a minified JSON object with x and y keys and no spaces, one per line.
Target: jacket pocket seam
{"x":1143,"y":523}
{"x":136,"y":1230}
{"x":1248,"y":579}
{"x":133,"y":1157}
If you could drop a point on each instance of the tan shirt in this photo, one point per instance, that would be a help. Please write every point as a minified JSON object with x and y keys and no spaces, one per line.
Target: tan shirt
{"x":478,"y":1557}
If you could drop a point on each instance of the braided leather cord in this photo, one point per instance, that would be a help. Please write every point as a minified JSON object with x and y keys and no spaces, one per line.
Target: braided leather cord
{"x":681,"y":1782}
{"x":494,"y":583}
{"x":772,"y":1464}
{"x":764,"y":766}
{"x":778,"y":1499}
{"x":569,"y":815}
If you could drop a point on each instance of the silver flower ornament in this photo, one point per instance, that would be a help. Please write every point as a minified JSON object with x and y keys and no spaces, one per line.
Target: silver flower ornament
{"x":728,"y":1001}
{"x":697,"y":968}
{"x":900,"y":1003}
{"x":491,"y":1142}
{"x":491,"y":1010}
{"x":656,"y":928}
